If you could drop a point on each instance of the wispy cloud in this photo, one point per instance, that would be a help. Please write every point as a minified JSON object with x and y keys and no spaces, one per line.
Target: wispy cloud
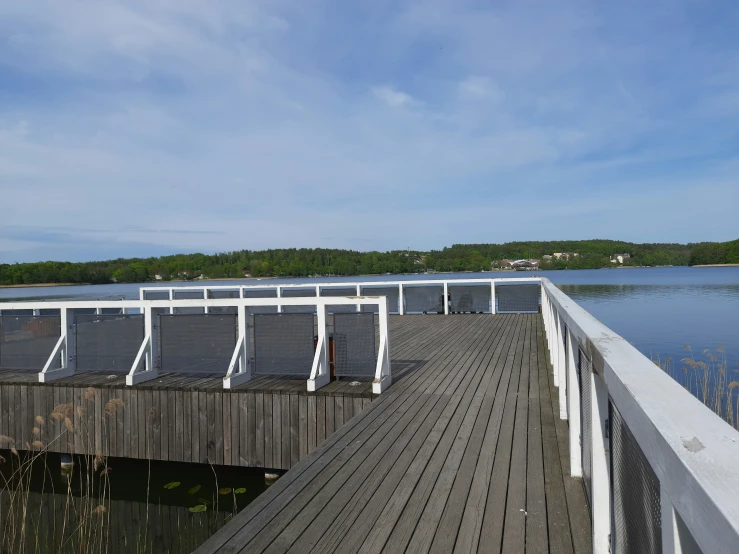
{"x":171,"y":126}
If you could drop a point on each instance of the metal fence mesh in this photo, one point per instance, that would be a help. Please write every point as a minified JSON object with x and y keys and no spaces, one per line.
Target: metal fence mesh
{"x":637,"y":512}
{"x":26,"y":341}
{"x":344,"y":291}
{"x":517,"y":298}
{"x":197,"y":343}
{"x":355,"y":351}
{"x":424,"y":299}
{"x":261,"y":293}
{"x":189,"y":295}
{"x":108,"y":342}
{"x":392,"y":294}
{"x":156,"y":295}
{"x":469,"y":298}
{"x":283,"y":344}
{"x":585,"y":370}
{"x":298,"y":293}
{"x":220,"y":294}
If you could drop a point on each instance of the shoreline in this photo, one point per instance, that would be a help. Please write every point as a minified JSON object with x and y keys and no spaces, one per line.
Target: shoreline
{"x":715,"y":265}
{"x":36,"y":285}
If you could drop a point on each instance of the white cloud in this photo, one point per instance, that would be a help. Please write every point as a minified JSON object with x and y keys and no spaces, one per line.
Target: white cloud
{"x":393,"y":98}
{"x":481,"y":88}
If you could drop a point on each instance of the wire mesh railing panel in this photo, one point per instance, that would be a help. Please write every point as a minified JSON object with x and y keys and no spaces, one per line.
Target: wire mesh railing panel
{"x":220,"y":295}
{"x":156,"y":294}
{"x":343,"y":291}
{"x":111,"y":311}
{"x":637,"y":512}
{"x":391,"y":293}
{"x":469,"y":298}
{"x":284,"y":344}
{"x":355,"y":349}
{"x":585,"y":369}
{"x":424,"y":299}
{"x":299,"y":293}
{"x":108,"y":342}
{"x":188,"y":295}
{"x":517,"y":298}
{"x":26,"y":342}
{"x":261,"y":293}
{"x":197,"y":343}
{"x":49,"y":311}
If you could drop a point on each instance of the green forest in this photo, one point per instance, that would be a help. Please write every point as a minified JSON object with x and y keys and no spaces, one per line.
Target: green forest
{"x":306,"y":262}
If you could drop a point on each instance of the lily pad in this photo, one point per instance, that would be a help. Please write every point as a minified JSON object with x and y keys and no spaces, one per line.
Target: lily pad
{"x":224,"y":490}
{"x":199,"y":508}
{"x":240,"y":490}
{"x":194,"y":490}
{"x":172,"y":485}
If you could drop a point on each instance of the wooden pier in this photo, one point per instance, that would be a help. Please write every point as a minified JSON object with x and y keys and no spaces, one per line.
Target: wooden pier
{"x":465,"y":453}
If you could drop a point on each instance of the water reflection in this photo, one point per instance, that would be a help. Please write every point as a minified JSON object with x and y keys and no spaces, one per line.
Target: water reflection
{"x":116,"y":505}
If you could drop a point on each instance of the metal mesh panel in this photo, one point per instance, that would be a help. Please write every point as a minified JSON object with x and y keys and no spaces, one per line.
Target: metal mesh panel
{"x":220,"y":294}
{"x":344,"y":291}
{"x":298,"y":293}
{"x":156,"y":295}
{"x":188,"y":295}
{"x":637,"y":515}
{"x":355,"y":351}
{"x":199,"y":343}
{"x":261,"y":293}
{"x":517,"y":298}
{"x":470,"y":298}
{"x":283,"y":344}
{"x":586,"y":440}
{"x":424,"y":299}
{"x":392,"y":294}
{"x":108,"y":342}
{"x":26,"y":342}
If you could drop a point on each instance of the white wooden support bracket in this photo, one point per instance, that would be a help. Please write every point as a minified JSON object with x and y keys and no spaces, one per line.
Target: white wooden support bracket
{"x":148,"y":354}
{"x":383,"y":371}
{"x":239,"y":370}
{"x":63,"y":353}
{"x":575,"y":427}
{"x":401,"y":307}
{"x":492,"y":297}
{"x":601,"y":474}
{"x":320,"y":375}
{"x":562,"y":370}
{"x":676,"y":538}
{"x":446,"y":296}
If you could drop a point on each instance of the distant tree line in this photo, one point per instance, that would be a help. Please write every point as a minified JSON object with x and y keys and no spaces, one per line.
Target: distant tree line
{"x":305,"y":262}
{"x":715,"y":253}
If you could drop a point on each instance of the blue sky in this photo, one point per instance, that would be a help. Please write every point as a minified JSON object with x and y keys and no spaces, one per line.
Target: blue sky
{"x":145,"y":128}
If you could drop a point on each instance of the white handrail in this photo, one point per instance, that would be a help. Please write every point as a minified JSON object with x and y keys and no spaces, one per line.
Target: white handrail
{"x":691,"y":450}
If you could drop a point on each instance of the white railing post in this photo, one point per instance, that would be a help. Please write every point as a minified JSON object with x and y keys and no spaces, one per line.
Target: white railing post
{"x":676,"y":538}
{"x":573,"y":390}
{"x":171,"y":297}
{"x":279,"y":295}
{"x":205,"y":297}
{"x":401,"y":307}
{"x":359,"y":293}
{"x":446,"y":296}
{"x":555,"y":347}
{"x":601,"y":480}
{"x":148,"y":355}
{"x":320,"y":374}
{"x":383,"y":371}
{"x":64,"y":352}
{"x":562,"y":369}
{"x":239,"y":370}
{"x":492,"y":297}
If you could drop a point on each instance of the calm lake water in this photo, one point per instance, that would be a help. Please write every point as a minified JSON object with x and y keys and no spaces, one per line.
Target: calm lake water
{"x":659,"y":310}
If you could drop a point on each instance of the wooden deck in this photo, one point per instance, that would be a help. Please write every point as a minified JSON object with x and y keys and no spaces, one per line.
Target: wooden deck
{"x":465,"y":453}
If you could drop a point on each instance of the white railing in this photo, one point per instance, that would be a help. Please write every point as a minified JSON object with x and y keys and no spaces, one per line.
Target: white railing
{"x":693,"y":454}
{"x":147,"y":363}
{"x":313,"y":290}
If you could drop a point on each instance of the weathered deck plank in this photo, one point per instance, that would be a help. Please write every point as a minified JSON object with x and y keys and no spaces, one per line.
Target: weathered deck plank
{"x":463,"y":454}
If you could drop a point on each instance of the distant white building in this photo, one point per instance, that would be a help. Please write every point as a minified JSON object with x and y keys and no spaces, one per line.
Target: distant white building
{"x":619,"y":258}
{"x":158,"y":277}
